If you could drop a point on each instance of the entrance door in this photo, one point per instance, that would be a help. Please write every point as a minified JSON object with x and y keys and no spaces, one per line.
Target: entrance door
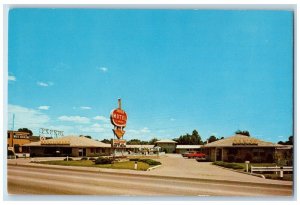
{"x":84,"y":152}
{"x":219,"y":154}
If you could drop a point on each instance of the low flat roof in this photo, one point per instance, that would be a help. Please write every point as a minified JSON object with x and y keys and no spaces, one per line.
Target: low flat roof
{"x":188,"y":146}
{"x":140,"y":146}
{"x":166,"y":141}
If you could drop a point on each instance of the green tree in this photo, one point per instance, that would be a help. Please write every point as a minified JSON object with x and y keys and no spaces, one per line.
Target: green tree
{"x":244,"y":132}
{"x":187,"y":139}
{"x":25,"y":130}
{"x":291,"y":140}
{"x":134,"y":142}
{"x":212,"y":139}
{"x":87,"y":136}
{"x":153,"y":140}
{"x":106,"y":141}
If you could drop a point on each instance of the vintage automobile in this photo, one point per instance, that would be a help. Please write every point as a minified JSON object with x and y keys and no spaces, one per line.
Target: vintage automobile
{"x":201,"y":159}
{"x":195,"y":155}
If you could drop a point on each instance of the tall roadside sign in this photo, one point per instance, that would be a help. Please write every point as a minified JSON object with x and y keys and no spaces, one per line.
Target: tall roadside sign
{"x":118,"y":118}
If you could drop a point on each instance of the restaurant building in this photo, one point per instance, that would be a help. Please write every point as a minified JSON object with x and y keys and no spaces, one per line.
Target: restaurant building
{"x":75,"y":146}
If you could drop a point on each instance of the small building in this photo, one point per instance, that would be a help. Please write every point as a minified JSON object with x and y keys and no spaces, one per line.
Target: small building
{"x":75,"y":146}
{"x":16,"y":139}
{"x":167,"y":146}
{"x":240,"y":148}
{"x":180,"y":149}
{"x":140,"y":148}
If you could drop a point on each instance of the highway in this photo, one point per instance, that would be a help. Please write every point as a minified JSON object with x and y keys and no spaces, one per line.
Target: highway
{"x":43,"y":181}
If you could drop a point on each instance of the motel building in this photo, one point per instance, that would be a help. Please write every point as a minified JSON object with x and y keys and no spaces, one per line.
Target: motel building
{"x":73,"y":146}
{"x":240,"y":148}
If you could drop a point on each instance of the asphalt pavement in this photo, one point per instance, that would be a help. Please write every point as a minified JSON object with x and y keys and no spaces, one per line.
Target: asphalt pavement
{"x":34,"y":180}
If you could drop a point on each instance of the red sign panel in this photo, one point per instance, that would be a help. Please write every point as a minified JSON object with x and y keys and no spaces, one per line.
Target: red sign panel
{"x":118,"y":117}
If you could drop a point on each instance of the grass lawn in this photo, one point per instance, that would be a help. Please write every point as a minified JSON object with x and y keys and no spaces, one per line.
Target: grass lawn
{"x":88,"y":163}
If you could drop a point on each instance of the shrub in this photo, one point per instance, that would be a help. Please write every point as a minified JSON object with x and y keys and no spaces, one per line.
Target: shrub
{"x":84,"y":158}
{"x":151,"y":162}
{"x":92,"y":158}
{"x":134,"y":159}
{"x":102,"y":160}
{"x":70,"y":159}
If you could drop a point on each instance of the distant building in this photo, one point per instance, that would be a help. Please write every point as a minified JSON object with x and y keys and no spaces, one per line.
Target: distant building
{"x":68,"y":146}
{"x":167,"y":146}
{"x":180,"y":149}
{"x":240,"y":148}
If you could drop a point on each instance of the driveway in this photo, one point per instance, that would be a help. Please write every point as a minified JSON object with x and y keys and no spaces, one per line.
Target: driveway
{"x":177,"y":166}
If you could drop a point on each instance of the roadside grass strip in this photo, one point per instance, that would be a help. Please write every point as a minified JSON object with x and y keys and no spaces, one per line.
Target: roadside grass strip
{"x":88,"y":163}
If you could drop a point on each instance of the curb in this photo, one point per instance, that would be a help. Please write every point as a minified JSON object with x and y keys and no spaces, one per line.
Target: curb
{"x":149,"y":169}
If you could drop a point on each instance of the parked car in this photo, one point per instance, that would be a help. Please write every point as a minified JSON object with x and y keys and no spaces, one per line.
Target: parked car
{"x":195,"y":155}
{"x":201,"y":159}
{"x":186,"y":153}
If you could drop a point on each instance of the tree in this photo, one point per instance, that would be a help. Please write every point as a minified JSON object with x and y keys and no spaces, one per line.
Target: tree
{"x":87,"y":136}
{"x":289,"y":142}
{"x":212,"y":139}
{"x":133,"y":142}
{"x":106,"y":141}
{"x":244,"y":132}
{"x":187,"y":139}
{"x":153,"y":140}
{"x":25,"y":130}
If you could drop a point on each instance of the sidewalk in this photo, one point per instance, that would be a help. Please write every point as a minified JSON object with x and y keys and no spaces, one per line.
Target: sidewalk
{"x":172,"y":166}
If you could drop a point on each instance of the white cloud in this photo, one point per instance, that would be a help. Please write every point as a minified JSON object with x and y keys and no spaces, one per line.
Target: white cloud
{"x":44,"y":107}
{"x":139,"y":131}
{"x":103,"y":69}
{"x":85,"y":108}
{"x":76,"y":119}
{"x":101,"y":118}
{"x":145,"y":130}
{"x":26,"y":117}
{"x":45,"y":84}
{"x":12,"y":78}
{"x":93,"y":128}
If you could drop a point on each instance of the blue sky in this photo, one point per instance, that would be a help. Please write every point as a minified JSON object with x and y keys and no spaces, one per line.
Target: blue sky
{"x":175,"y":70}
